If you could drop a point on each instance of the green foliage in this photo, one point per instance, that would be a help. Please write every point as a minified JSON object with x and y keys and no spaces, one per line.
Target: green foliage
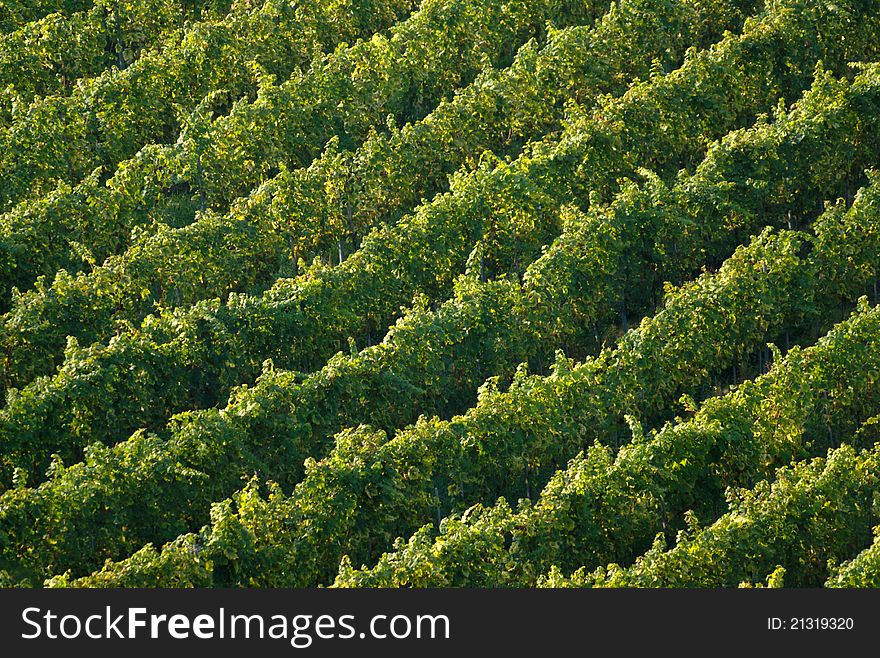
{"x":370,"y":489}
{"x":323,"y":210}
{"x":618,"y":248}
{"x":601,"y":508}
{"x":50,"y":55}
{"x":108,"y":118}
{"x":813,"y":512}
{"x":191,"y":358}
{"x":14,"y":13}
{"x":245,"y":128}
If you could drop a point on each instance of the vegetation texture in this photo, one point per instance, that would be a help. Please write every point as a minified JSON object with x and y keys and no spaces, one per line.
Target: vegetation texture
{"x":449,"y":293}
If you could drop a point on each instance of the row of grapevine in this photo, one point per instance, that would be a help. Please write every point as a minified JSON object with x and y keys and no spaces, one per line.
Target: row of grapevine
{"x":343,"y":194}
{"x":431,"y":361}
{"x":605,"y":507}
{"x":48,"y":56}
{"x":108,"y":118}
{"x":199,"y":462}
{"x":370,"y":490}
{"x":601,"y":507}
{"x":813,"y":512}
{"x":191,"y":358}
{"x":347,"y":95}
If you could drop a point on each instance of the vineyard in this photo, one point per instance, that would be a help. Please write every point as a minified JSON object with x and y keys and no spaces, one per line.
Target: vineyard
{"x":440,"y":293}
